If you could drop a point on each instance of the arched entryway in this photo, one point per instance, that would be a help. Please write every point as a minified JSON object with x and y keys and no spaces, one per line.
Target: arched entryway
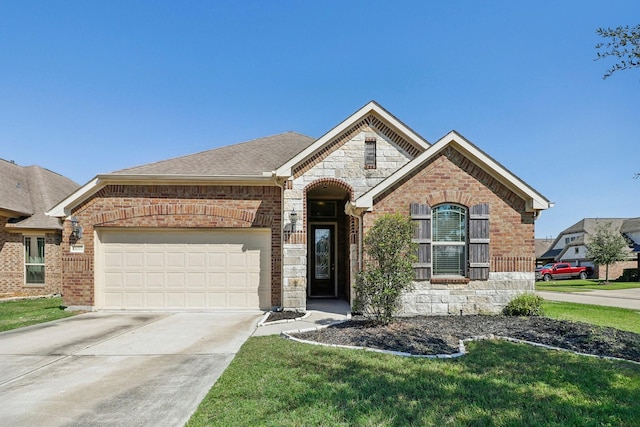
{"x":328,"y":242}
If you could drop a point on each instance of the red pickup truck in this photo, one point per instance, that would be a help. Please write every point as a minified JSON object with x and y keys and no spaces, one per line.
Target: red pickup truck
{"x":562,"y":270}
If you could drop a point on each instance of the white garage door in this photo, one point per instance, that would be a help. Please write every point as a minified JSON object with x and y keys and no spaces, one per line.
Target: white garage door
{"x":183,"y":270}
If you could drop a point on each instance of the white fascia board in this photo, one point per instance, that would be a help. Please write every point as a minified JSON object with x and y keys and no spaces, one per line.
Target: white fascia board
{"x":185,"y":179}
{"x":286,"y":169}
{"x":63,"y":209}
{"x":537,"y":201}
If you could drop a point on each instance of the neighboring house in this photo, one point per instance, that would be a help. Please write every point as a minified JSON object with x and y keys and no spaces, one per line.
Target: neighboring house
{"x":542,"y":249}
{"x":277,"y":220}
{"x":570,"y":246}
{"x":30,"y":256}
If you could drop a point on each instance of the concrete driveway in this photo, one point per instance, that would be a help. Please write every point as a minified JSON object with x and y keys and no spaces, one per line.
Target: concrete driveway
{"x":116,"y":369}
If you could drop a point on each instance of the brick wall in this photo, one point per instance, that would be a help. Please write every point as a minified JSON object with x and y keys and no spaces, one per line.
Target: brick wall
{"x":615,"y":270}
{"x":168,"y":206}
{"x":12,"y":279}
{"x":452,"y":178}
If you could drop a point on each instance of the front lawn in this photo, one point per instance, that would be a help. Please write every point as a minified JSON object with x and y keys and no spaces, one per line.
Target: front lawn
{"x":16,"y":314}
{"x":275,"y":382}
{"x":578,"y":285}
{"x":619,"y":318}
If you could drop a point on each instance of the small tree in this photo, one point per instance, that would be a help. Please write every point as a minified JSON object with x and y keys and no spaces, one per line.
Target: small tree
{"x":606,"y":247}
{"x":388,"y":272}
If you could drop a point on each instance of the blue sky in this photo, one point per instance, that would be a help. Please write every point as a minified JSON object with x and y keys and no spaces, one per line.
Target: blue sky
{"x":93,"y":87}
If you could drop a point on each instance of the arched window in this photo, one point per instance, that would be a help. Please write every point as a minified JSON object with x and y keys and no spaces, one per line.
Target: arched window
{"x":449,"y":240}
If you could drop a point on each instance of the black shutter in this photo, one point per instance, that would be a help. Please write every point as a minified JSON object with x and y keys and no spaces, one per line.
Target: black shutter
{"x":479,"y":242}
{"x":421,"y":215}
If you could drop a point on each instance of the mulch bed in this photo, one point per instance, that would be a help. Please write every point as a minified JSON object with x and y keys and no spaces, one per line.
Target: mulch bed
{"x":441,"y":334}
{"x":275,"y":316}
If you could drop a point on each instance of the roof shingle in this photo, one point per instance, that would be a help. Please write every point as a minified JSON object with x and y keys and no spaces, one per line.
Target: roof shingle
{"x":250,"y":158}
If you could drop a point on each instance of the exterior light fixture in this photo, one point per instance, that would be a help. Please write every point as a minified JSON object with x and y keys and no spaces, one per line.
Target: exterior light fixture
{"x":76,"y":229}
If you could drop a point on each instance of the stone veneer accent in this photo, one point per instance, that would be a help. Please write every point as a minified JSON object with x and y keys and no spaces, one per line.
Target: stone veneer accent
{"x":340,"y":166}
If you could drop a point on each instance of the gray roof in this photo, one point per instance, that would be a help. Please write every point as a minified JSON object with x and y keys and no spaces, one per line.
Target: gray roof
{"x":26,"y":192}
{"x":542,"y":246}
{"x":630,"y":225}
{"x":588,"y":226}
{"x":251,"y":158}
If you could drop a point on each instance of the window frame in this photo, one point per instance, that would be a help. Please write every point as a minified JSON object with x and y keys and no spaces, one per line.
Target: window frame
{"x":463,"y":228}
{"x":27,"y":250}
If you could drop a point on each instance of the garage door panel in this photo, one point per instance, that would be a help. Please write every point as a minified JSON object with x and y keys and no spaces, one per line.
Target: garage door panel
{"x":154,"y":259}
{"x":159,"y":269}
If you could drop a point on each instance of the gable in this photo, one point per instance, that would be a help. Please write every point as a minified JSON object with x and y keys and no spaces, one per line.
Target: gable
{"x":346,"y":162}
{"x":370,"y":118}
{"x":469,"y":157}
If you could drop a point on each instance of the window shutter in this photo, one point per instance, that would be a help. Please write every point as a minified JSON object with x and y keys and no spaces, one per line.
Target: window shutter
{"x":479,"y":242}
{"x":421,"y":215}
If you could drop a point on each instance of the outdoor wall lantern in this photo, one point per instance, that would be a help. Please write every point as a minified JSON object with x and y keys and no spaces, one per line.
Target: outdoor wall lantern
{"x":293,"y":216}
{"x":76,"y":229}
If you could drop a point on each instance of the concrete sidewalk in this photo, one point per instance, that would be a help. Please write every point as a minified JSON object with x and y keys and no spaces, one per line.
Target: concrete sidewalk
{"x":624,"y":298}
{"x":319,"y":313}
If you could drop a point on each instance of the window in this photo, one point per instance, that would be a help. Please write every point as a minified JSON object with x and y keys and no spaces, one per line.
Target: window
{"x":34,"y":259}
{"x":449,"y":240}
{"x":452,"y":240}
{"x":566,"y":240}
{"x":576,"y":250}
{"x":370,"y":153}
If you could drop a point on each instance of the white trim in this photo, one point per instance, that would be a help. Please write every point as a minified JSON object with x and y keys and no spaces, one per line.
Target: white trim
{"x":534,"y":200}
{"x":372,"y":107}
{"x":64,"y":208}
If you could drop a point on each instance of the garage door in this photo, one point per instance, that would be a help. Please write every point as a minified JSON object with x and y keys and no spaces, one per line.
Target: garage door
{"x":183,"y":270}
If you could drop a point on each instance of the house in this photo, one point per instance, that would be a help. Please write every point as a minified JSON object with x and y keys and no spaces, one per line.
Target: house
{"x":277,"y":220}
{"x":570,"y":245}
{"x":542,"y":249}
{"x":30,"y":251}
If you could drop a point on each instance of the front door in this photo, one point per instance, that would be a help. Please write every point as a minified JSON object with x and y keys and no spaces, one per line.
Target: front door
{"x":322,"y":260}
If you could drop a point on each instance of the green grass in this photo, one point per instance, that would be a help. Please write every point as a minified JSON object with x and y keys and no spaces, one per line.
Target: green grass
{"x":275,"y":382}
{"x":583,"y":285}
{"x":16,"y":314}
{"x":619,"y":318}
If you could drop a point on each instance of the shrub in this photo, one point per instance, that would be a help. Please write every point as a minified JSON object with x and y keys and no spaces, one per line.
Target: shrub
{"x":527,"y":304}
{"x":389,"y":267}
{"x":629,"y":275}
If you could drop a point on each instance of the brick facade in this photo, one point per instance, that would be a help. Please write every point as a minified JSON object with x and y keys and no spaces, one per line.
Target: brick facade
{"x":12,"y":278}
{"x":615,"y":270}
{"x":451,"y":178}
{"x":168,"y":206}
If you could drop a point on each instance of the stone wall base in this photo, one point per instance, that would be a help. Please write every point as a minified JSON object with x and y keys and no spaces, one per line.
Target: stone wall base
{"x":476,"y":297}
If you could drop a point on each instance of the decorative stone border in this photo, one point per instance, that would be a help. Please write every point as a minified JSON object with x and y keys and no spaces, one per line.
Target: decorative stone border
{"x":461,"y":347}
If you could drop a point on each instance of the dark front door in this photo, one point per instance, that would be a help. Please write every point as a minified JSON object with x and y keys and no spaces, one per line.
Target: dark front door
{"x":322,"y":260}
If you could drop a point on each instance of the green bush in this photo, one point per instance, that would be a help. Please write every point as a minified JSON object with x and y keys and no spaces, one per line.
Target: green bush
{"x":629,"y":275}
{"x":525,"y":305}
{"x":390,"y":254}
